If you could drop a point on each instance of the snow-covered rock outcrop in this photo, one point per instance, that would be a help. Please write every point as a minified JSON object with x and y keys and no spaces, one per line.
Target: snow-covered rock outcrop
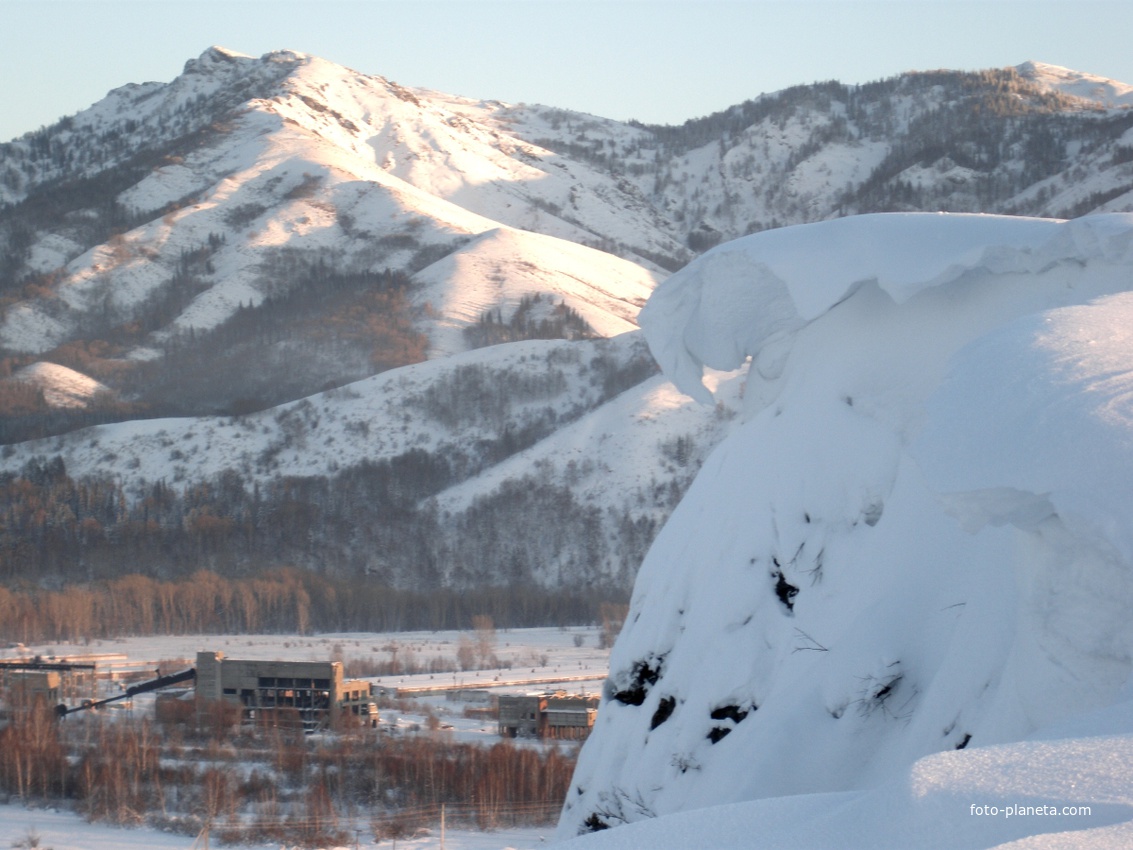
{"x":919,"y":538}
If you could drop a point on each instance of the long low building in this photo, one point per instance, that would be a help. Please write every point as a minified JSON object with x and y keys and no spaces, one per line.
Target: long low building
{"x":312,"y":693}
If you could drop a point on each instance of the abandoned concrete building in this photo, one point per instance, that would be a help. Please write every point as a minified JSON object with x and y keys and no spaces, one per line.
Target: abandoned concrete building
{"x":547,"y":715}
{"x":26,"y":687}
{"x":24,"y":682}
{"x":314,"y":694}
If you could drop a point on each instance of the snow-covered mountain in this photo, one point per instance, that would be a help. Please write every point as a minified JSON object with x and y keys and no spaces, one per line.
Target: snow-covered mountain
{"x":166,"y":208}
{"x":191,"y":266}
{"x":239,"y":161}
{"x":917,"y":541}
{"x":1031,"y":140}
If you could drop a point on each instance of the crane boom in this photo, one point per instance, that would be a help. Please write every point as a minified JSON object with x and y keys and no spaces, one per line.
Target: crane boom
{"x":62,"y":711}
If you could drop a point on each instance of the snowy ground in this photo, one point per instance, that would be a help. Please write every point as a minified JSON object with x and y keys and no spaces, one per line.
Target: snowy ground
{"x":515,"y":645}
{"x":57,"y":830}
{"x":1033,"y":795}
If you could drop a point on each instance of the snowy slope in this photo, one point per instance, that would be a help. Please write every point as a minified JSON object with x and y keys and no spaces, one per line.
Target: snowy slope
{"x":502,"y":266}
{"x":377,"y":418}
{"x":61,"y":387}
{"x":916,"y":541}
{"x":629,"y":461}
{"x":1102,"y":90}
{"x":627,"y":448}
{"x":624,"y":457}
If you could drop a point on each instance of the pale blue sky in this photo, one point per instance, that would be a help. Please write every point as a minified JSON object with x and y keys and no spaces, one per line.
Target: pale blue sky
{"x":654,"y":60}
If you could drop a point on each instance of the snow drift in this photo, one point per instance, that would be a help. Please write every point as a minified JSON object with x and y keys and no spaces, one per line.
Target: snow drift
{"x":918,"y":539}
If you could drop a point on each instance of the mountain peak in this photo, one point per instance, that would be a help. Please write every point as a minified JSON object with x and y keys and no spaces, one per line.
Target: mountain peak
{"x":212,"y":57}
{"x":233,"y":64}
{"x":219,"y":52}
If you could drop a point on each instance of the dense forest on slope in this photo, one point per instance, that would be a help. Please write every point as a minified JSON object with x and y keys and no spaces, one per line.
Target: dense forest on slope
{"x":986,"y":141}
{"x":374,"y":519}
{"x":368,"y":520}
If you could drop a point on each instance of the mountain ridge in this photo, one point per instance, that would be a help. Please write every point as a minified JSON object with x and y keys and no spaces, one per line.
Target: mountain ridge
{"x":291,"y":227}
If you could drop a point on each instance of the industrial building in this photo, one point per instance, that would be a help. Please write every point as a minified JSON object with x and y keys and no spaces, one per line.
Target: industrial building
{"x":312,"y":693}
{"x":556,"y":715}
{"x":307,"y":694}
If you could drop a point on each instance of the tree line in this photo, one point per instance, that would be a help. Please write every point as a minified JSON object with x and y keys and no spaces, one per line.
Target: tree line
{"x":278,"y":601}
{"x":373,"y":523}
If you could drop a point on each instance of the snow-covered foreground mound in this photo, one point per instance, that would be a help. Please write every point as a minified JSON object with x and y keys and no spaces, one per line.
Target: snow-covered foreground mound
{"x":918,"y":541}
{"x":1010,"y":796}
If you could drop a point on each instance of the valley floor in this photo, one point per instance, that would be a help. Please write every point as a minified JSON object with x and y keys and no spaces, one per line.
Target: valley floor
{"x":522,"y":660}
{"x":59,"y":830}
